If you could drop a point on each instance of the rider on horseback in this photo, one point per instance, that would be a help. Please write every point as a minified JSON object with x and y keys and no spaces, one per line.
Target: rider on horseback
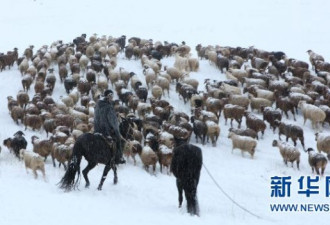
{"x":106,"y":123}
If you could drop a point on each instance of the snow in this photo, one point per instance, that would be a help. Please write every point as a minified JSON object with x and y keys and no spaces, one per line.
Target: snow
{"x":290,"y":26}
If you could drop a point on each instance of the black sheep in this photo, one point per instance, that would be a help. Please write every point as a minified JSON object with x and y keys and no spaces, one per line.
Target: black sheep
{"x":186,"y":166}
{"x":17,"y":143}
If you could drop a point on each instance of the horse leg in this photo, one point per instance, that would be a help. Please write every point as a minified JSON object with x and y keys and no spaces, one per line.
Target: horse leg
{"x":180,"y":190}
{"x":90,"y":166}
{"x":105,"y":173}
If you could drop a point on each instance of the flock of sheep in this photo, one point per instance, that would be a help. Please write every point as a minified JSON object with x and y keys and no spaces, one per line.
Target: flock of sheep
{"x":258,"y":82}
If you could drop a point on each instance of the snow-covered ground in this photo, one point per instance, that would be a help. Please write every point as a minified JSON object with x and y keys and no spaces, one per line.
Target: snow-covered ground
{"x":290,"y":26}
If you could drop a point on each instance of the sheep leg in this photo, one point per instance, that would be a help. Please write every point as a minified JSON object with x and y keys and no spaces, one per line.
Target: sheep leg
{"x":231,"y":123}
{"x":298,"y":164}
{"x":294,"y":117}
{"x":90,"y":166}
{"x":305,"y":120}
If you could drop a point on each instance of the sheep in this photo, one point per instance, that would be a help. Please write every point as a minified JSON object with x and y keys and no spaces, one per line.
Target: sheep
{"x":156,"y":91}
{"x":255,"y":123}
{"x":51,"y":79}
{"x":260,"y":93}
{"x":290,"y":131}
{"x":164,"y":84}
{"x":33,"y":121}
{"x":177,"y":131}
{"x":174,"y":73}
{"x":22,"y":99}
{"x":314,"y":113}
{"x":222,"y":62}
{"x":16,"y":143}
{"x":242,"y":142}
{"x":166,"y":139}
{"x":323,"y":143}
{"x":285,"y":104}
{"x":317,"y":161}
{"x":17,"y":113}
{"x":270,"y":115}
{"x":229,"y":89}
{"x":150,"y":76}
{"x":49,"y":125}
{"x":148,"y":157}
{"x":244,"y":132}
{"x":314,"y":57}
{"x":181,"y":63}
{"x":41,"y":147}
{"x":213,"y":131}
{"x":165,"y":157}
{"x":185,"y":90}
{"x":257,"y":103}
{"x":143,"y":109}
{"x":132,"y":147}
{"x":239,"y":100}
{"x":233,"y":112}
{"x":254,"y":81}
{"x":34,"y":162}
{"x":193,"y":82}
{"x":239,"y":74}
{"x":288,"y":152}
{"x":62,"y":153}
{"x":63,"y":72}
{"x":27,"y":80}
{"x":193,"y":64}
{"x":295,"y":98}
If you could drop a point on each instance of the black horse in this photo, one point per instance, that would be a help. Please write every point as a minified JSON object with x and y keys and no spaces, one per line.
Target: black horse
{"x":96,"y":150}
{"x":186,"y":165}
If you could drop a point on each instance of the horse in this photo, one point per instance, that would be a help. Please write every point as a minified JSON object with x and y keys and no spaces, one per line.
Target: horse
{"x":186,"y":165}
{"x":95,"y":149}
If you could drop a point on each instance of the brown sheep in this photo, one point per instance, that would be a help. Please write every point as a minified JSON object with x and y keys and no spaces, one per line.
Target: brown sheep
{"x":255,"y":123}
{"x":234,"y":112}
{"x":62,"y":153}
{"x":17,"y":113}
{"x":42,"y":147}
{"x":33,"y":121}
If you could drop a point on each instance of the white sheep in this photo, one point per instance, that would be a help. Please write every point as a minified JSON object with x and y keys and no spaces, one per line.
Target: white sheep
{"x":243,"y":142}
{"x":288,"y":152}
{"x":33,"y":161}
{"x":323,"y":142}
{"x":313,"y":113}
{"x":213,"y":131}
{"x":150,"y":75}
{"x":164,"y":83}
{"x":181,"y":63}
{"x":83,"y":62}
{"x":156,"y":91}
{"x":254,"y":81}
{"x":239,"y":74}
{"x":240,"y":100}
{"x":229,"y":89}
{"x":257,"y":103}
{"x":193,"y":64}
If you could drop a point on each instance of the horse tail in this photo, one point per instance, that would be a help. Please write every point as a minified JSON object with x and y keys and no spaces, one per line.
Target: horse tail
{"x":68,"y":181}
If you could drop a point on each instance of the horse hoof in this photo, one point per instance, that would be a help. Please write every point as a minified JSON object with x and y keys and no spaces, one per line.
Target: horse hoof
{"x":115,"y":181}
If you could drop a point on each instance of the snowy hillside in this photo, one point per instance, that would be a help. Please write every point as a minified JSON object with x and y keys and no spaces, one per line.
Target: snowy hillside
{"x":140,"y":197}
